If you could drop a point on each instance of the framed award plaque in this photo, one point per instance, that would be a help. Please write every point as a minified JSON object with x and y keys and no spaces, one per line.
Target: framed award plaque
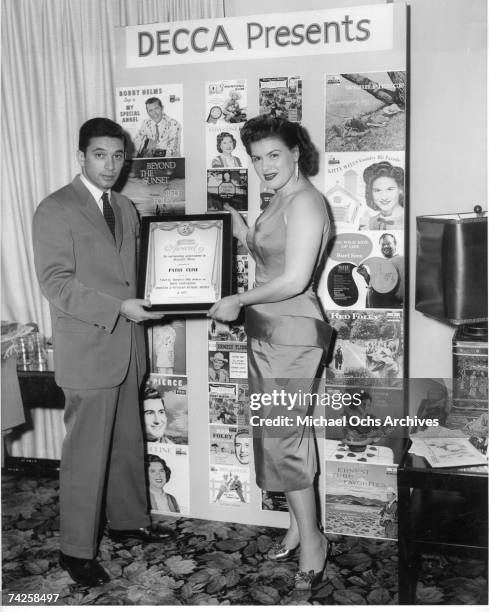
{"x":185,"y":262}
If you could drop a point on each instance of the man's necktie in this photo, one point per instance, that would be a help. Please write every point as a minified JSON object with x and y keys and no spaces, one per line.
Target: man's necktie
{"x":108,"y":213}
{"x":157,"y":134}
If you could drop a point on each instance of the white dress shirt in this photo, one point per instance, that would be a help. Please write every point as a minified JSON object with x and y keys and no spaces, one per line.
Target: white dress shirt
{"x":96,"y":192}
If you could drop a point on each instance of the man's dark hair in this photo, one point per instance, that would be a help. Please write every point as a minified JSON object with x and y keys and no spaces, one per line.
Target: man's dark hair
{"x":151,"y":393}
{"x":386,"y":234}
{"x":99,"y":127}
{"x":153,"y":100}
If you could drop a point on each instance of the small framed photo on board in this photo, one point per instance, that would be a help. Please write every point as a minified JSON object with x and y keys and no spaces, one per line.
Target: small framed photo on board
{"x":185,"y":262}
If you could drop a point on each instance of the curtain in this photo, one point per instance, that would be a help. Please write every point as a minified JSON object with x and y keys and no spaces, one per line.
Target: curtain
{"x":135,"y":12}
{"x":58,"y":65}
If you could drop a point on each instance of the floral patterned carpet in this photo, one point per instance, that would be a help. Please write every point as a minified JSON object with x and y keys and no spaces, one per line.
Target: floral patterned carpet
{"x":207,"y":563}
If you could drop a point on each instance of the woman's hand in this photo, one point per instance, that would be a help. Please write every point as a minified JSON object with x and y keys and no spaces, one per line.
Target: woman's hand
{"x":226,"y":309}
{"x":239,"y":226}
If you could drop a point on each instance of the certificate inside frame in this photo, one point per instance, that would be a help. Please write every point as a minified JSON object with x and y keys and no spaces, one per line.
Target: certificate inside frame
{"x":185,"y":262}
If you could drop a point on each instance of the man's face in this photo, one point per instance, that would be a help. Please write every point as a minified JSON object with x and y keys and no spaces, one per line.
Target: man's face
{"x":388,"y":246}
{"x":103,"y":160}
{"x":155,"y":111}
{"x":242,"y":448}
{"x":154,"y":418}
{"x":218,"y":364}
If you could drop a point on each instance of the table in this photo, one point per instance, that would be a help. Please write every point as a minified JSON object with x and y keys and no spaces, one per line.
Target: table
{"x":440,"y":510}
{"x":38,"y":390}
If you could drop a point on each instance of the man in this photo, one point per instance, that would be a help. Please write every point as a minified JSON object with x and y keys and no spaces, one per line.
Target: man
{"x":338,"y":358}
{"x":393,"y":297}
{"x":237,"y":486}
{"x":224,"y":487}
{"x":155,"y":419}
{"x":242,"y":446}
{"x":86,"y":267}
{"x":217,"y":371}
{"x":160,"y":135}
{"x":388,"y":514}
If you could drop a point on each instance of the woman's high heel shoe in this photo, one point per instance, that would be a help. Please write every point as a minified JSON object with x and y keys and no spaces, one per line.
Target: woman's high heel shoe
{"x":305,"y":581}
{"x":279,"y":552}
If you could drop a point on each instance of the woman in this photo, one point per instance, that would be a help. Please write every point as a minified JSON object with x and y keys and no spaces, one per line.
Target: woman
{"x":158,"y":475}
{"x":226,"y":143}
{"x":286,"y":331}
{"x":384,"y":193}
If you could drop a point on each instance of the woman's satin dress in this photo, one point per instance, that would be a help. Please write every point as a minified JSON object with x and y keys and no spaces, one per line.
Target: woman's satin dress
{"x":286,"y":342}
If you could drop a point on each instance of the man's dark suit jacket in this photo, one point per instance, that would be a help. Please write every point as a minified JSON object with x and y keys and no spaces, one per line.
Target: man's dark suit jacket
{"x":86,"y":275}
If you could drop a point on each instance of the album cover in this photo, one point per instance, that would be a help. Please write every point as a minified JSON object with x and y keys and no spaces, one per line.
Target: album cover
{"x":369,"y":345}
{"x":229,"y":486}
{"x":167,"y":469}
{"x":281,"y":97}
{"x":361,"y":499}
{"x":366,"y":111}
{"x":156,"y":186}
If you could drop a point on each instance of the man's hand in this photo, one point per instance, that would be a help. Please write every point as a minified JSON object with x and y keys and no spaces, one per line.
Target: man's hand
{"x":363,"y":271}
{"x":133,"y":309}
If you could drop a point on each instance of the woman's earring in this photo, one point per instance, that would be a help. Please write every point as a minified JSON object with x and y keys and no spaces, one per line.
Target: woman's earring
{"x":296,"y":171}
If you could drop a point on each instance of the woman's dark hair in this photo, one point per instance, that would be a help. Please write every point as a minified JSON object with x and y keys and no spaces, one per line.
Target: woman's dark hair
{"x":221,"y":137}
{"x":98,"y":127}
{"x":292,"y":134}
{"x":375,"y":171}
{"x":157,"y":459}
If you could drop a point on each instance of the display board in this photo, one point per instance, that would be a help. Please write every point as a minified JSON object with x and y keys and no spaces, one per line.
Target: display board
{"x":184,"y":89}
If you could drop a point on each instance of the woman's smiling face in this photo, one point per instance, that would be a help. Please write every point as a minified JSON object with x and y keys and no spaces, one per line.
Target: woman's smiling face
{"x":273,"y":161}
{"x":385,"y":194}
{"x":156,"y":475}
{"x":227,"y":145}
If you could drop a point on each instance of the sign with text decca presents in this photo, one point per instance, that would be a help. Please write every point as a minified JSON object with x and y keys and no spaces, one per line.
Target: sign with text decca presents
{"x":344,"y":30}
